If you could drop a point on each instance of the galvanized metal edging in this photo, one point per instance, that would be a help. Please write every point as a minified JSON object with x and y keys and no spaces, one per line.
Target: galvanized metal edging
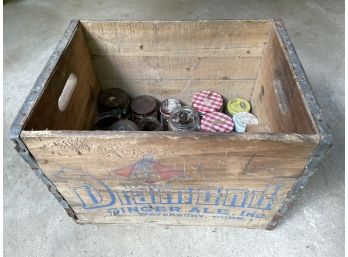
{"x":24,"y":112}
{"x":326,"y":139}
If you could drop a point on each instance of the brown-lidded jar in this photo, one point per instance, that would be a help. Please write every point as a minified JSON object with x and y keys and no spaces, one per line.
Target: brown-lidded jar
{"x":143,"y":106}
{"x":114,"y":99}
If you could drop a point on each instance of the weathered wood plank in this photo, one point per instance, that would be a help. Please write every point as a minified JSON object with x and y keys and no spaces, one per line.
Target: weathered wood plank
{"x":236,"y":52}
{"x":117,"y":37}
{"x":242,"y":203}
{"x":168,"y":67}
{"x":205,"y":156}
{"x":181,"y":88}
{"x":315,"y":113}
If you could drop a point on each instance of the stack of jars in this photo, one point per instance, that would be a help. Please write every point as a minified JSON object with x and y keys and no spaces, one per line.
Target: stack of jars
{"x":120,"y":113}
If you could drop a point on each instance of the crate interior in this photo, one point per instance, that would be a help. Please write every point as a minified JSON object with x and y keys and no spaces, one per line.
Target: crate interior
{"x":175,"y":59}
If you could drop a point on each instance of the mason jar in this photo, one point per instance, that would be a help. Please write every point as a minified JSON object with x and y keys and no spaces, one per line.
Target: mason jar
{"x":114,"y":99}
{"x":124,"y":125}
{"x":184,"y":118}
{"x":104,"y":120}
{"x":149,"y":124}
{"x":143,"y":106}
{"x":166,"y":108}
{"x":207,"y":101}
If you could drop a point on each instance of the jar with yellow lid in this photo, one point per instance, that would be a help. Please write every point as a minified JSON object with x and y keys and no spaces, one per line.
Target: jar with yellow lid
{"x":237,"y":105}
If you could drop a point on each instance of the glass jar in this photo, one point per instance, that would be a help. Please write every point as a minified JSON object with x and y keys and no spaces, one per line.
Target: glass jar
{"x":143,"y":106}
{"x":105,"y":119}
{"x":242,"y":119}
{"x":237,"y":105}
{"x":124,"y":125}
{"x":114,"y":99}
{"x":149,"y":124}
{"x":167,"y":106}
{"x":207,"y":101}
{"x":216,"y":122}
{"x":184,"y":118}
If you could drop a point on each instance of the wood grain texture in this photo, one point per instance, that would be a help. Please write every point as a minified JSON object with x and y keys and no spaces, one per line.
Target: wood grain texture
{"x":181,"y":89}
{"x":82,"y":106}
{"x":187,"y":54}
{"x":169,"y":67}
{"x":277,"y":99}
{"x":138,"y":37}
{"x":234,"y":52}
{"x":224,"y":208}
{"x":312,"y":106}
{"x":96,"y":162}
{"x":225,"y":155}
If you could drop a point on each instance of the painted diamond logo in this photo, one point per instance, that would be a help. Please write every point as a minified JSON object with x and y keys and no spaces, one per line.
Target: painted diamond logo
{"x":149,"y":170}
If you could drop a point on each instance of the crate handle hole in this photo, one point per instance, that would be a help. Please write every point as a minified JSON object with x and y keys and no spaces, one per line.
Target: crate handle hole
{"x":68,"y":90}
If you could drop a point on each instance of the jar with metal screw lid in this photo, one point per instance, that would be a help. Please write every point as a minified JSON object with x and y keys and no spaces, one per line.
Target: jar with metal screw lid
{"x":114,"y":99}
{"x":207,"y":101}
{"x":143,"y":106}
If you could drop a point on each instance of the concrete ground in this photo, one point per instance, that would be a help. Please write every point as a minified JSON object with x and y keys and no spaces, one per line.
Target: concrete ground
{"x":36,"y":225}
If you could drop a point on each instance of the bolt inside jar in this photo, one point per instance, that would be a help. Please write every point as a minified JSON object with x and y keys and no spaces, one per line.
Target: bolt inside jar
{"x":184,"y":118}
{"x":143,"y":106}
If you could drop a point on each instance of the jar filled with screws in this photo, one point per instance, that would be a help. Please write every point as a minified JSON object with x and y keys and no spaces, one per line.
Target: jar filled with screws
{"x":167,"y":106}
{"x":184,"y":118}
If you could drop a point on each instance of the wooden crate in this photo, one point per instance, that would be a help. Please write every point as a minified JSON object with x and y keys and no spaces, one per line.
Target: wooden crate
{"x":192,"y":178}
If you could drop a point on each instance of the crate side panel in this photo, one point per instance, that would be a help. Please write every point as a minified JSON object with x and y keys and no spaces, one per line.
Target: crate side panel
{"x":277,"y":99}
{"x":236,"y":155}
{"x":174,"y":68}
{"x":137,"y":162}
{"x":82,"y":105}
{"x":181,"y":38}
{"x":241,"y":203}
{"x":326,"y":139}
{"x":196,"y":55}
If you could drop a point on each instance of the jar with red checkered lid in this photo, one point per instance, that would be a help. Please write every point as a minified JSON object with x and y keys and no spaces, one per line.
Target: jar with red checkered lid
{"x":216,"y":122}
{"x":207,"y":101}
